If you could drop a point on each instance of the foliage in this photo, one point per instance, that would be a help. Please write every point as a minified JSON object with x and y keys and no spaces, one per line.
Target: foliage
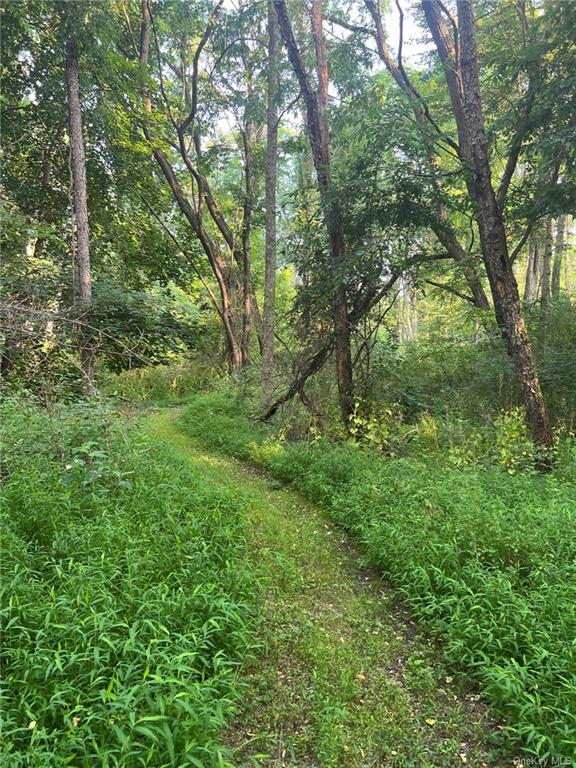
{"x":162,"y":382}
{"x":485,"y":559}
{"x":127,"y":598}
{"x":455,"y":370}
{"x":137,"y":328}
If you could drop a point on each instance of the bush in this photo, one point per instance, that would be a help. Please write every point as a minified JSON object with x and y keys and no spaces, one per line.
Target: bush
{"x":453,"y":368}
{"x":486,"y":559}
{"x":161,"y":383}
{"x":127,"y":598}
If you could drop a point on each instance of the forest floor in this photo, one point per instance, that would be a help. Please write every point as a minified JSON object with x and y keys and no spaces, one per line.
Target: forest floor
{"x":344,"y":677}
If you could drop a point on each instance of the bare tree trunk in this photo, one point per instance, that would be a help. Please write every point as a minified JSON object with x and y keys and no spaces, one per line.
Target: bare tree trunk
{"x":558,"y":255}
{"x":547,"y":263}
{"x":269,"y":312}
{"x":568,"y":255}
{"x":246,"y":232}
{"x":321,"y":151}
{"x":545,"y":289}
{"x":408,"y":311}
{"x":462,"y":76}
{"x":80,"y":193}
{"x":532,"y":273}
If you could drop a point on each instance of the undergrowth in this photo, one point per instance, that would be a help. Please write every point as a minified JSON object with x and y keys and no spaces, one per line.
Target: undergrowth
{"x":486,"y":559}
{"x":161,"y":383}
{"x":127,"y":598}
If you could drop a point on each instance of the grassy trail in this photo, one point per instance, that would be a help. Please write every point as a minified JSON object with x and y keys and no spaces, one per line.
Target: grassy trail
{"x":343,"y":678}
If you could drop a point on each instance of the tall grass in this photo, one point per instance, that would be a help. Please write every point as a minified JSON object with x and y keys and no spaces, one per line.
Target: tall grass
{"x":127,"y":602}
{"x":486,"y":559}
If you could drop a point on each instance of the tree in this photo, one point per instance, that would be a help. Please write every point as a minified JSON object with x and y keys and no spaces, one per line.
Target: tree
{"x":558,"y":256}
{"x":533,"y":268}
{"x":319,"y":136}
{"x":269,"y":312}
{"x":130,"y":251}
{"x":545,"y":289}
{"x":200,"y":207}
{"x":459,"y":58}
{"x":78,"y":168}
{"x":440,"y":223}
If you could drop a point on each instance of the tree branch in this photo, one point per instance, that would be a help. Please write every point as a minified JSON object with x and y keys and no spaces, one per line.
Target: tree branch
{"x":452,"y":290}
{"x":195,"y":63}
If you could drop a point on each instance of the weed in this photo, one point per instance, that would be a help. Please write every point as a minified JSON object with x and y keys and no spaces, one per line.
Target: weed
{"x":128,"y":603}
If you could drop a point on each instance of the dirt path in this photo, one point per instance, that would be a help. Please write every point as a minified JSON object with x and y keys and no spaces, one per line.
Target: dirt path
{"x":343,"y":678}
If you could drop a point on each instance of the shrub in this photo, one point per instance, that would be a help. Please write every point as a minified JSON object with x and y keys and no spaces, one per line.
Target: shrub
{"x":161,"y":382}
{"x":127,"y":604}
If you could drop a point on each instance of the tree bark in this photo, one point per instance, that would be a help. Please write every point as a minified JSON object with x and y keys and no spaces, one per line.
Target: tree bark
{"x":319,"y":136}
{"x":80,"y":196}
{"x":532,"y":273}
{"x":307,"y":368}
{"x":246,"y":255}
{"x":545,"y":289}
{"x":568,"y":255}
{"x":558,"y":256}
{"x":463,"y":80}
{"x":547,"y":264}
{"x":269,"y":311}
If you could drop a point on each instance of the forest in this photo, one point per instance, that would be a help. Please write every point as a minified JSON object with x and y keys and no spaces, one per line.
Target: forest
{"x":288,"y":383}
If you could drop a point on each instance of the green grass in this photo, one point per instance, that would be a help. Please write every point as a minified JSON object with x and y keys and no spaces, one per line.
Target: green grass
{"x":167,"y":605}
{"x":127,"y":602}
{"x":485,"y":560}
{"x":342,"y":679}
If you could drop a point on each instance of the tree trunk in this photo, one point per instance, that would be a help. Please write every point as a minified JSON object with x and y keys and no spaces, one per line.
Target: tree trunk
{"x":456,"y":252}
{"x":558,"y":254}
{"x":532,"y":273}
{"x":493,"y":240}
{"x":246,"y":232}
{"x":80,"y":194}
{"x":321,"y":152}
{"x":547,"y":264}
{"x":342,"y":342}
{"x":269,"y":312}
{"x":545,"y":289}
{"x":568,"y":255}
{"x":408,"y":311}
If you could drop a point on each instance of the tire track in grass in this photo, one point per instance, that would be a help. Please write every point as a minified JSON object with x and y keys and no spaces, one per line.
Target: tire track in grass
{"x":344,"y":679}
